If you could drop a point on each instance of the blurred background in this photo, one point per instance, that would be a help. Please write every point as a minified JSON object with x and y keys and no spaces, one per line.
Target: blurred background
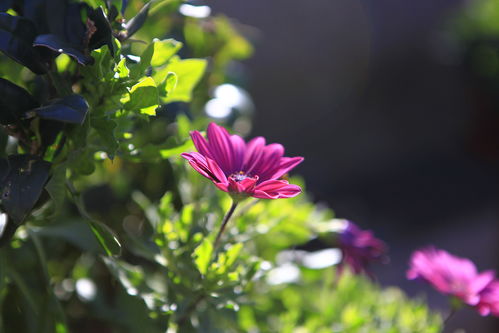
{"x":395,"y":107}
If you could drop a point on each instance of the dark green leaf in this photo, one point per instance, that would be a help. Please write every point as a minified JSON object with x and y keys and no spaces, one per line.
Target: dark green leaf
{"x":104,"y":33}
{"x":69,"y":109}
{"x":124,"y":4}
{"x":56,"y":187}
{"x":5,"y":4}
{"x":105,"y":129}
{"x":74,"y":232}
{"x":106,"y":238}
{"x":14,"y":102}
{"x":22,"y":185}
{"x":16,"y":41}
{"x":56,"y":44}
{"x":138,"y":20}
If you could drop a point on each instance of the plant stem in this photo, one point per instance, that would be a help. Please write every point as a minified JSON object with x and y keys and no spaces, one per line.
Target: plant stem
{"x":455,"y":304}
{"x":58,"y":82}
{"x":187,"y":314}
{"x":224,"y":223}
{"x":449,"y":316}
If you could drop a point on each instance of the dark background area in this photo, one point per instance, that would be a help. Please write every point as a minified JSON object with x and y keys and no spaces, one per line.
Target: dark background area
{"x":396,"y":133}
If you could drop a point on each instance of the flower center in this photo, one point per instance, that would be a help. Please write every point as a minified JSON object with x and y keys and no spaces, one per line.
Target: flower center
{"x":239,"y":176}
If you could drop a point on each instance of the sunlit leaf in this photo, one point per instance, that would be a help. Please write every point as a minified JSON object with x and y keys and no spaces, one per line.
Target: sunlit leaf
{"x":202,"y":255}
{"x":168,"y":85}
{"x":189,"y":72}
{"x":144,"y":97}
{"x":164,"y":50}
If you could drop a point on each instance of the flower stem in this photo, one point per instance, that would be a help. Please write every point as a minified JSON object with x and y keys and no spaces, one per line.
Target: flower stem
{"x":224,"y":223}
{"x":455,"y":305}
{"x":450,"y":315}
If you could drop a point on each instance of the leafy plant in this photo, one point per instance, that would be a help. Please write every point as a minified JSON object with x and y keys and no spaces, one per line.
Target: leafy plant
{"x":105,"y":228}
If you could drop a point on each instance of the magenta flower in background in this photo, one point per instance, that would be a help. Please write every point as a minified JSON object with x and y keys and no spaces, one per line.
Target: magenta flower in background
{"x":489,"y":300}
{"x":243,"y":169}
{"x":359,"y":248}
{"x":449,"y":274}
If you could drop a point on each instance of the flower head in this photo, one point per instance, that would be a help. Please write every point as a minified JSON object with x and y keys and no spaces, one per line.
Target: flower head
{"x":243,"y":169}
{"x":449,"y":274}
{"x":359,"y":247}
{"x":489,"y":300}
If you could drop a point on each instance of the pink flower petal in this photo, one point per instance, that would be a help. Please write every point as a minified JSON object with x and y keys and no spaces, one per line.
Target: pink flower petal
{"x":252,"y":156}
{"x":198,"y":162}
{"x":449,"y":274}
{"x":274,"y":189}
{"x":237,"y":167}
{"x":216,"y":171}
{"x":239,"y":147}
{"x":220,"y":147}
{"x":201,"y":144}
{"x":286,"y":164}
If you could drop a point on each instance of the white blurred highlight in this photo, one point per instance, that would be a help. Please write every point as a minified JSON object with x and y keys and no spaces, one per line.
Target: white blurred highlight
{"x":195,"y":11}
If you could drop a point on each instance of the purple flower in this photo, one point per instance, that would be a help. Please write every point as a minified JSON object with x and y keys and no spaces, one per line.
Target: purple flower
{"x":243,"y":169}
{"x":449,"y":274}
{"x":359,"y":248}
{"x":489,"y":300}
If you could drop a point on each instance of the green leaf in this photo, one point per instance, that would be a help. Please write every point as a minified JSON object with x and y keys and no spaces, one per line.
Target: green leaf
{"x":74,"y":232}
{"x":56,"y":187}
{"x":105,"y":129}
{"x":232,"y":254}
{"x":164,"y":50}
{"x":176,"y":151}
{"x":202,"y":255}
{"x":144,"y":97}
{"x":168,"y":85}
{"x":121,"y":70}
{"x":24,"y":177}
{"x":145,"y":61}
{"x":189,"y":72}
{"x":106,"y":238}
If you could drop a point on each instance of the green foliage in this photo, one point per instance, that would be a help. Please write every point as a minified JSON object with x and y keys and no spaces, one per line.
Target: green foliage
{"x":116,"y":232}
{"x":324,"y":302}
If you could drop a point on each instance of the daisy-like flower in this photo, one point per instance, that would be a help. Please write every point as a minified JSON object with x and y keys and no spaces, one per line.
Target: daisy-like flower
{"x":359,"y":247}
{"x":243,"y":169}
{"x":449,"y":274}
{"x":489,"y":300}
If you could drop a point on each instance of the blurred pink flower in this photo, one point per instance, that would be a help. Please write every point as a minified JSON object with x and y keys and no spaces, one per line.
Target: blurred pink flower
{"x":489,"y":300}
{"x":359,"y":248}
{"x":449,"y":274}
{"x":240,"y":168}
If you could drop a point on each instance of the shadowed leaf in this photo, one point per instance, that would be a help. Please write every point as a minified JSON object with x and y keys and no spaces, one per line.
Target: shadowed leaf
{"x":106,"y":238}
{"x":138,"y":20}
{"x":104,"y":34}
{"x":69,"y":109}
{"x":14,"y":102}
{"x":22,"y":184}
{"x":54,"y":43}
{"x":16,"y":39}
